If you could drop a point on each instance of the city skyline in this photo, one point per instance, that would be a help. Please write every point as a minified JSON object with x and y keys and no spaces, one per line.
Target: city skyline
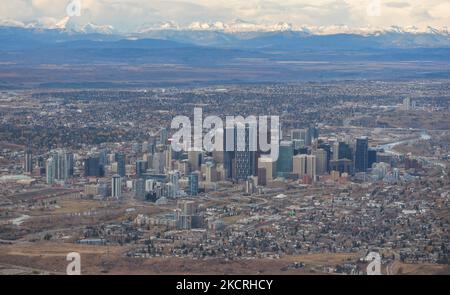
{"x":224,"y":138}
{"x":127,"y":189}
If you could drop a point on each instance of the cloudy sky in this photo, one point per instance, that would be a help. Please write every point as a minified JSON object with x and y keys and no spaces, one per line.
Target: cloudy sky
{"x":129,"y":15}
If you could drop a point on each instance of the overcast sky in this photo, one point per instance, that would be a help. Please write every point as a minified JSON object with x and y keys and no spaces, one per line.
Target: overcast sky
{"x":128,"y":15}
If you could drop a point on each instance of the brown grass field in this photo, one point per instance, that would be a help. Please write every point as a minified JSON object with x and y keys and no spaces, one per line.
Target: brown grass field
{"x":50,"y":258}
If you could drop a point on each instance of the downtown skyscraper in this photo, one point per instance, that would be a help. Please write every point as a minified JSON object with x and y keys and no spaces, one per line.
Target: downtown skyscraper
{"x":59,"y":166}
{"x":361,"y":154}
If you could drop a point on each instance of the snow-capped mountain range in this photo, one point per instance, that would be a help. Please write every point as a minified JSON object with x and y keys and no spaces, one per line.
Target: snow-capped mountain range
{"x":248,"y":52}
{"x":240,"y":26}
{"x":64,"y":24}
{"x":237,"y":26}
{"x":237,"y":34}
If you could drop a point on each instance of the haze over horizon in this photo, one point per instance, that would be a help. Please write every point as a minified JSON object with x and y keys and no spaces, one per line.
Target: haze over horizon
{"x":133,"y":15}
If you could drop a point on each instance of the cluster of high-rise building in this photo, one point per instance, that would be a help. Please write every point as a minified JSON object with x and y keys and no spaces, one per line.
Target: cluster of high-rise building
{"x":408,"y":104}
{"x":60,"y":166}
{"x":153,"y":170}
{"x":187,"y":215}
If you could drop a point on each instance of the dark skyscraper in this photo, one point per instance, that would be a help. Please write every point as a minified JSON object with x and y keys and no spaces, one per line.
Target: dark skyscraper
{"x":70,"y":164}
{"x":139,"y":189}
{"x":244,"y":157}
{"x":372,"y":157}
{"x":342,"y":165}
{"x":28,"y":161}
{"x":193,"y":184}
{"x":262,"y":176}
{"x":141,"y":168}
{"x":239,"y":162}
{"x":344,"y":152}
{"x":313,"y":133}
{"x":361,"y":154}
{"x":284,"y":163}
{"x":163,"y":136}
{"x":120,"y":159}
{"x":228,"y":156}
{"x":92,"y":166}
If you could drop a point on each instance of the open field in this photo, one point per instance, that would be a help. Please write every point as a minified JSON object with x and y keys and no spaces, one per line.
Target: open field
{"x":412,"y":269}
{"x":45,"y":257}
{"x":50,"y":257}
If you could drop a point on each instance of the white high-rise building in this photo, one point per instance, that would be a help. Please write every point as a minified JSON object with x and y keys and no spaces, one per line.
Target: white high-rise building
{"x":50,"y":171}
{"x":210,"y":173}
{"x":380,"y":170}
{"x":408,"y":104}
{"x":268,"y":164}
{"x":150,"y":185}
{"x":169,"y":159}
{"x":396,"y":174}
{"x":159,"y":162}
{"x":335,"y":148}
{"x":305,"y":165}
{"x":301,"y":134}
{"x":299,"y":165}
{"x":174,"y":177}
{"x":116,"y":187}
{"x":311,"y":170}
{"x":59,"y":166}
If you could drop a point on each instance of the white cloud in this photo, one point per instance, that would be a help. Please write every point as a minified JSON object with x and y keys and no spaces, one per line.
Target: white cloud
{"x":128,"y":15}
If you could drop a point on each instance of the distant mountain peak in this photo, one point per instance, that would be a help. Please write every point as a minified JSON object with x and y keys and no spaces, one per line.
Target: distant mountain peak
{"x":233,"y":27}
{"x":65,"y":24}
{"x":240,"y":25}
{"x":62,"y":24}
{"x":90,"y":28}
{"x":11,"y":23}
